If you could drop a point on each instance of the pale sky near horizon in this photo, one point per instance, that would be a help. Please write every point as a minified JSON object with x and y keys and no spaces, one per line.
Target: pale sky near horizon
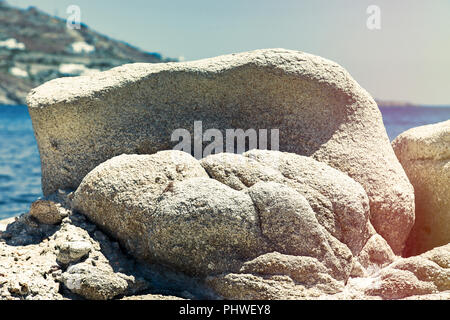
{"x":408,"y":59}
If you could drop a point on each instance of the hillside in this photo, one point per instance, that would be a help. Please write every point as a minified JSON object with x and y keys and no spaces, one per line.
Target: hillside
{"x":36,"y":47}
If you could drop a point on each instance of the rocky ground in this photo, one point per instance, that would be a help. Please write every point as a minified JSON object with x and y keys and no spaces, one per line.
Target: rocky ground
{"x":54,"y":252}
{"x":73,"y":259}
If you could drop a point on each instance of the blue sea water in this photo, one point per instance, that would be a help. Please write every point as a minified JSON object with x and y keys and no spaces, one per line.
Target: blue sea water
{"x":20,"y":173}
{"x":400,"y":119}
{"x":20,"y":168}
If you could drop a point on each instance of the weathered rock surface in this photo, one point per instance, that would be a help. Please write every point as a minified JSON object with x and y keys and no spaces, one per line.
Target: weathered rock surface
{"x":201,"y":226}
{"x":289,"y":223}
{"x":414,"y":276}
{"x":121,"y":194}
{"x":73,"y":251}
{"x":93,"y":283}
{"x":320,"y":111}
{"x":277,"y":276}
{"x":263,"y":225}
{"x":423,"y":277}
{"x":204,"y":227}
{"x":94,"y":266}
{"x":339,"y":203}
{"x":376,"y":253}
{"x":47,"y":212}
{"x":29,"y":268}
{"x":424,"y":153}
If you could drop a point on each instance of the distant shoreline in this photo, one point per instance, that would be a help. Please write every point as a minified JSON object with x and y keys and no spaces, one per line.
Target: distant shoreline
{"x":413,"y":106}
{"x":403,"y":104}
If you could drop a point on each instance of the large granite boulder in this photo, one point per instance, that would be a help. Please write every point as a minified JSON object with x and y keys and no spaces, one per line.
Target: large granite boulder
{"x":319,"y":109}
{"x":202,"y":227}
{"x":212,"y":218}
{"x":424,"y":153}
{"x":121,"y":194}
{"x":340,"y":204}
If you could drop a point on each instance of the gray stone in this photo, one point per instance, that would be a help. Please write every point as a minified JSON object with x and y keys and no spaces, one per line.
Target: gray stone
{"x":25,"y":230}
{"x":289,"y":223}
{"x":201,"y":226}
{"x":93,"y":283}
{"x":47,"y":212}
{"x":376,"y":253}
{"x":32,"y":271}
{"x":340,"y":204}
{"x":398,"y":284}
{"x":424,"y":153}
{"x":120,"y":194}
{"x":204,"y":227}
{"x":277,"y":276}
{"x":73,"y":251}
{"x":320,"y":111}
{"x":422,"y":277}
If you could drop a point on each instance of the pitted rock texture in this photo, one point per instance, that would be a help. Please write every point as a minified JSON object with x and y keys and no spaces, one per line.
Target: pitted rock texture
{"x":209,"y":223}
{"x":35,"y":266}
{"x":47,"y":212}
{"x":339,"y":203}
{"x":204,"y":227}
{"x":319,"y":109}
{"x":120,"y":195}
{"x":75,"y":260}
{"x":29,"y":266}
{"x":276,"y":276}
{"x":376,"y":253}
{"x":424,"y":153}
{"x":423,"y":277}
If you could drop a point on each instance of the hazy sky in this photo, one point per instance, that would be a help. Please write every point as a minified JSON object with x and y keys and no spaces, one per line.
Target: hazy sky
{"x":408,"y":59}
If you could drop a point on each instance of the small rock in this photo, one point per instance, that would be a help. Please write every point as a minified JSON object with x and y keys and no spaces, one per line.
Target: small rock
{"x":71,"y":252}
{"x":135,"y":285}
{"x":18,"y":288}
{"x":398,"y":284}
{"x":46,"y":212}
{"x":358,"y":270}
{"x":93,"y":283}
